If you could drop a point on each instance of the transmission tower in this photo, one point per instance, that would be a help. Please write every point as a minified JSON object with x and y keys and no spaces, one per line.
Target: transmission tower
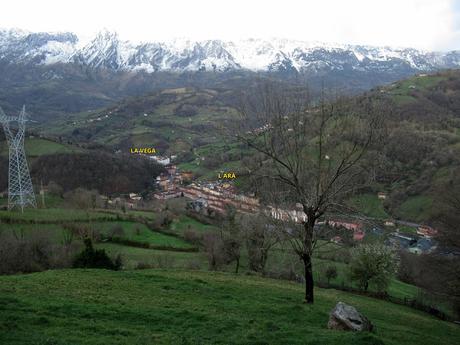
{"x":20,"y":189}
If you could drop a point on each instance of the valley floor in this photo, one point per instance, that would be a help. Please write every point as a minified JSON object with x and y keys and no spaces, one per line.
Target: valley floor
{"x":66,"y":307}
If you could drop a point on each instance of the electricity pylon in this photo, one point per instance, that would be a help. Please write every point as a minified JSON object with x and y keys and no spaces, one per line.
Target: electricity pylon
{"x":20,"y":189}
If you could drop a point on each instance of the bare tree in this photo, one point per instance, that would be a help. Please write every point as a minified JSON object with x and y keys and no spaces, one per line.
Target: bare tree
{"x":213,"y":247}
{"x":311,"y":154}
{"x":261,"y":235}
{"x":232,"y":238}
{"x":82,"y":198}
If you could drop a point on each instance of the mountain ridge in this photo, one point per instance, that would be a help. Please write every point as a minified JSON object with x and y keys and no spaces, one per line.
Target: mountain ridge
{"x":107,"y":50}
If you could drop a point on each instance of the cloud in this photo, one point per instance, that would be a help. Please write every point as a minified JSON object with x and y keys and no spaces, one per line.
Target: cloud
{"x":418,"y":23}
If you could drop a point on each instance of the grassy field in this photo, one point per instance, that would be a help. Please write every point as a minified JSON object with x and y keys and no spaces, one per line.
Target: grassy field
{"x":369,"y":205}
{"x":133,"y":257}
{"x":184,"y":223}
{"x":37,"y":146}
{"x":54,"y":214}
{"x":282,"y":260}
{"x":51,"y":201}
{"x":72,"y":307}
{"x":140,"y":233}
{"x":403,"y":91}
{"x":167,"y":251}
{"x":416,"y":208}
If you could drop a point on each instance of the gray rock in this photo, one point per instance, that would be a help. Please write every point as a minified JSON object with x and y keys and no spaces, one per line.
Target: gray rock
{"x":347,"y":318}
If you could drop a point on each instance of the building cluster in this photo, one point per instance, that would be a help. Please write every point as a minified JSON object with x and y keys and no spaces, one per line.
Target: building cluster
{"x":217,"y":196}
{"x":357,"y":228}
{"x":413,"y":244}
{"x":170,"y":184}
{"x":130,"y":201}
{"x":295,"y":215}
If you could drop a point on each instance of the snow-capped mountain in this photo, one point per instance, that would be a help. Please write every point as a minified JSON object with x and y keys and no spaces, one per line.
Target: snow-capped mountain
{"x":107,"y":50}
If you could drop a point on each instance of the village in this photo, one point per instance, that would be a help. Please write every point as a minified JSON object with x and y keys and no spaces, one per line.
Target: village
{"x":212,"y":198}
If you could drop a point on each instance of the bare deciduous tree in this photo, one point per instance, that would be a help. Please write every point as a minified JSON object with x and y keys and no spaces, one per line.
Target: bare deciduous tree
{"x":232,"y":238}
{"x":213,"y":247}
{"x":310,"y":154}
{"x":261,"y":235}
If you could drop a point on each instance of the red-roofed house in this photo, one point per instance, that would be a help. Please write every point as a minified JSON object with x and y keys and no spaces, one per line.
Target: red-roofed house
{"x":426,"y":231}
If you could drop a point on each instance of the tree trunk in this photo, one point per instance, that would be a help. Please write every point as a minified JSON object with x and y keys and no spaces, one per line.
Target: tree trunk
{"x":237,"y":265}
{"x":309,"y":226}
{"x":308,"y":274}
{"x":263,"y":260}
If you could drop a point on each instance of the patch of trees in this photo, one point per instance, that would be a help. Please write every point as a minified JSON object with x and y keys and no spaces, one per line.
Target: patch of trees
{"x":80,"y":197}
{"x":108,"y":174}
{"x":34,"y":252}
{"x":408,"y":146}
{"x":186,"y":110}
{"x":438,"y":273}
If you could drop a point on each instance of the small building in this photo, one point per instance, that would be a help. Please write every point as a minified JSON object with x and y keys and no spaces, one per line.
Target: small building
{"x":358,"y":235}
{"x":423,"y":246}
{"x":389,"y":223}
{"x":168,"y":195}
{"x":346,"y":225}
{"x":377,"y":231}
{"x":400,"y":241}
{"x":187,"y":176}
{"x":426,"y":231}
{"x":336,"y":239}
{"x":135,"y":197}
{"x":163,"y":182}
{"x":198,"y":205}
{"x":171,"y":169}
{"x":381,"y":195}
{"x":161,"y":160}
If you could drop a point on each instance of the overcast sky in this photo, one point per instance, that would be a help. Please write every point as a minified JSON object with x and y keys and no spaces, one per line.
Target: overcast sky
{"x":426,"y":24}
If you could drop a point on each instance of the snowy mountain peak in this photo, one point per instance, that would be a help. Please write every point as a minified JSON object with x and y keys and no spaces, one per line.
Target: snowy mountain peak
{"x":107,"y":50}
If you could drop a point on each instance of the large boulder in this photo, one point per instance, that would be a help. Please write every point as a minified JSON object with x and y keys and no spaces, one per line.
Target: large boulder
{"x":347,"y":318}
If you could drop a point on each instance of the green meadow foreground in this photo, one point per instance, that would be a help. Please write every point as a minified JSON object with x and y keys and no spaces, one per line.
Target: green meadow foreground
{"x":65,"y":307}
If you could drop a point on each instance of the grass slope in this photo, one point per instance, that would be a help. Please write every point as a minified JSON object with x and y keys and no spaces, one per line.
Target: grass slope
{"x":182,"y":307}
{"x":369,"y":205}
{"x":37,"y":147}
{"x":54,"y":215}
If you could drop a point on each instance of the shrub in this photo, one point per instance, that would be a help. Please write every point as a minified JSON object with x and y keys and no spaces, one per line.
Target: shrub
{"x":82,"y":231}
{"x":331,"y":273}
{"x":116,"y":231}
{"x":34,"y":253}
{"x":214,"y":249}
{"x":193,"y":237}
{"x":91,"y":258}
{"x":373,"y":264}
